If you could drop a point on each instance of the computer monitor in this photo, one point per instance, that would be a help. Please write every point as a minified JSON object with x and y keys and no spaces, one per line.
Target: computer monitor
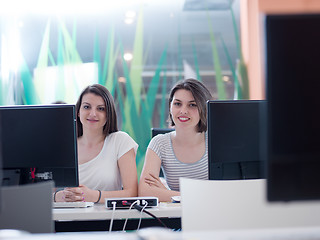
{"x":293,"y":121}
{"x":39,"y":143}
{"x":233,"y":139}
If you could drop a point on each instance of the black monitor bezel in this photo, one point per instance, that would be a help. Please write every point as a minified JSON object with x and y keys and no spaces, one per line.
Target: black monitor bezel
{"x":290,"y":176}
{"x":63,"y":176}
{"x":234,"y":170}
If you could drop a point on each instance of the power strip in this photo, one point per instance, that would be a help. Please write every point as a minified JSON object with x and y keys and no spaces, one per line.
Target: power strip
{"x":126,"y":202}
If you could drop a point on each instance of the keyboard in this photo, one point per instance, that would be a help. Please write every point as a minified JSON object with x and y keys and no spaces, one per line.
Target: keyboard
{"x":72,"y":204}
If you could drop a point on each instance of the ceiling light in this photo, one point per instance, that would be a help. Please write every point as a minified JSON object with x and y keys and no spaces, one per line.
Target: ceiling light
{"x":226,"y":78}
{"x":130,"y":14}
{"x":128,"y":20}
{"x":128,"y":56}
{"x":122,"y":79}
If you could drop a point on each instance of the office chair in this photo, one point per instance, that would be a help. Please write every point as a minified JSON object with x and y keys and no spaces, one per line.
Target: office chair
{"x":155,"y":132}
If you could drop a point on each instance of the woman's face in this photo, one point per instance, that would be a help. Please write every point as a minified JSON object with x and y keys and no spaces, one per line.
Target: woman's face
{"x":92,"y":112}
{"x":184,"y":110}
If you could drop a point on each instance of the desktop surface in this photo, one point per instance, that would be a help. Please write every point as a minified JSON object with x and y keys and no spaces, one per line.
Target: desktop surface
{"x":163,"y":234}
{"x":99,"y":211}
{"x":98,"y":217}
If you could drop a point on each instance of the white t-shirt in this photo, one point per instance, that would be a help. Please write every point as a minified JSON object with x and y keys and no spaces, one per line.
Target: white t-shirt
{"x":103,"y":172}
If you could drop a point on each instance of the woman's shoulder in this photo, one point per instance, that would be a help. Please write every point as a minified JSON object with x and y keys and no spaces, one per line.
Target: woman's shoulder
{"x":160,"y":140}
{"x":160,"y":144}
{"x":120,"y":138}
{"x":119,"y":134}
{"x":162,"y":137}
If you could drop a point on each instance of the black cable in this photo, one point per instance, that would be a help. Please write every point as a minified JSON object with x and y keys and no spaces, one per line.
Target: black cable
{"x":140,"y":208}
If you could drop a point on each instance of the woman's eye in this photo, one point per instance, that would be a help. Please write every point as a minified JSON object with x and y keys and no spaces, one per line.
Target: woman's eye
{"x":193,"y":105}
{"x":86,"y":107}
{"x":101,"y":108}
{"x":177,"y":103}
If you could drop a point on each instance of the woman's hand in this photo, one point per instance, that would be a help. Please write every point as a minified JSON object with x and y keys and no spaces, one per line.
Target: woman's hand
{"x":80,"y":194}
{"x":152,"y":180}
{"x":74,"y":194}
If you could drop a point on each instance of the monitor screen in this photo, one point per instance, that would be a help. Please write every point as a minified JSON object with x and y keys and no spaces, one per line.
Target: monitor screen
{"x":39,"y":143}
{"x":293,"y":119}
{"x":233,"y":139}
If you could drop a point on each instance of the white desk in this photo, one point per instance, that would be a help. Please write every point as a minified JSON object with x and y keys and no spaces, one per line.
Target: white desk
{"x":163,"y":234}
{"x":99,"y":212}
{"x":98,"y":217}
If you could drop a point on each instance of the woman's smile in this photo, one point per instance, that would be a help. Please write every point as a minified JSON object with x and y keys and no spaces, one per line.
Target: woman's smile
{"x":183,"y":119}
{"x":93,"y":120}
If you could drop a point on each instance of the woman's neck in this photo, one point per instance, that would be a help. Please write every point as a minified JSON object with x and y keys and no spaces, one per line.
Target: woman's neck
{"x":188,"y":137}
{"x":92,"y":137}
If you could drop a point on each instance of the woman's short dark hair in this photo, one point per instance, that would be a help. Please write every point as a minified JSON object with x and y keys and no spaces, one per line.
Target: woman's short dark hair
{"x":99,"y":90}
{"x":201,"y":95}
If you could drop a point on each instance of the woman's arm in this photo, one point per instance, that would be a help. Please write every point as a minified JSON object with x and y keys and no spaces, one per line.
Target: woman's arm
{"x":129,"y":177}
{"x":150,"y":185}
{"x":128,"y":172}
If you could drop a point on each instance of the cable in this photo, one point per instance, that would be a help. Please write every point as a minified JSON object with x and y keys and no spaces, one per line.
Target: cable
{"x":113,"y":210}
{"x":145,"y":204}
{"x":140,"y":208}
{"x":132,"y":204}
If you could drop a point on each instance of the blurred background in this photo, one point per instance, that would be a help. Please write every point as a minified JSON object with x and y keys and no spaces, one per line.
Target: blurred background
{"x":51,"y":50}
